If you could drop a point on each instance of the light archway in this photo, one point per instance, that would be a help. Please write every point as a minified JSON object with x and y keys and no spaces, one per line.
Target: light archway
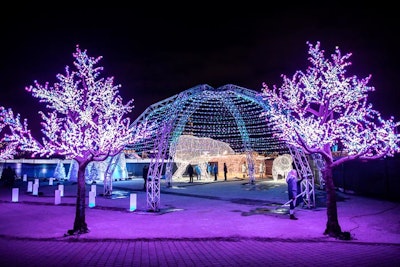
{"x":230,"y":114}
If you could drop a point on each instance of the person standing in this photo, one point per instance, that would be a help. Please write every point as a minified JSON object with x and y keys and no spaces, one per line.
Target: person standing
{"x":215,"y":171}
{"x":198,"y":172}
{"x":225,"y":170}
{"x":190,"y":172}
{"x":292,"y":180}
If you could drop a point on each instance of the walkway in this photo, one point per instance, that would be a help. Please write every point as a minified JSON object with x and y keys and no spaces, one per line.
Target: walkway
{"x":219,"y":223}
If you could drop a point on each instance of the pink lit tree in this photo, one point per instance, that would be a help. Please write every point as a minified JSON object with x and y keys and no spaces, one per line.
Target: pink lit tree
{"x":7,"y":149}
{"x":86,"y":122}
{"x":320,"y":108}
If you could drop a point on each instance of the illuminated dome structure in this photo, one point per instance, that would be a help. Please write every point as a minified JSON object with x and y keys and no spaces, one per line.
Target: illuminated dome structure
{"x":229,"y":114}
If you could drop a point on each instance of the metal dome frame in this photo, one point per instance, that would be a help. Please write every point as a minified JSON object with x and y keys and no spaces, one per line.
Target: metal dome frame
{"x":229,"y":113}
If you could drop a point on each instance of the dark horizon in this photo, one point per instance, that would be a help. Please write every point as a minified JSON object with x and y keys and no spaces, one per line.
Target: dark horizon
{"x":156,"y":56}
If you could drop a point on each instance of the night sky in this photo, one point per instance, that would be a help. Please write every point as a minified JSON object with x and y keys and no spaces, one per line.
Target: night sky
{"x":155,"y":55}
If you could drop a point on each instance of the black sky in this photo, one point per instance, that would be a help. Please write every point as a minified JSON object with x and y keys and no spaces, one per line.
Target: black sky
{"x":155,"y":55}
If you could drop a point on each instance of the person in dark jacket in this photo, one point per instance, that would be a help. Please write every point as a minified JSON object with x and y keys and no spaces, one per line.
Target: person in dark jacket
{"x":225,"y":170}
{"x":292,"y":182}
{"x":215,"y":171}
{"x":190,"y":172}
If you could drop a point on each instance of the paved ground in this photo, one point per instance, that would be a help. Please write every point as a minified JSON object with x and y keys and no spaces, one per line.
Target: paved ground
{"x":220,"y":223}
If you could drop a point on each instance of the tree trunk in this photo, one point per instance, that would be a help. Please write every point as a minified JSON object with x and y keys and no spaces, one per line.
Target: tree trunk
{"x":80,"y":226}
{"x":332,"y":226}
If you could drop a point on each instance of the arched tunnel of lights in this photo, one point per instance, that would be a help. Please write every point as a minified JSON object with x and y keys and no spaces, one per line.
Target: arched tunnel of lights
{"x":228,"y":114}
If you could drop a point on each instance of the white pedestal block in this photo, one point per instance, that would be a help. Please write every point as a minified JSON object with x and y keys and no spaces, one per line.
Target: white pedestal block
{"x":57,"y":197}
{"x":132,"y":202}
{"x":15,"y":193}
{"x":93,"y":188}
{"x":92,"y":199}
{"x":30,"y":186}
{"x":35,"y":189}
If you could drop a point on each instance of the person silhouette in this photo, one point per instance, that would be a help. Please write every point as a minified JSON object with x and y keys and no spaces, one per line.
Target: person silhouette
{"x":215,"y":171}
{"x":292,"y":181}
{"x":198,"y":172}
{"x":190,"y":172}
{"x":225,"y":170}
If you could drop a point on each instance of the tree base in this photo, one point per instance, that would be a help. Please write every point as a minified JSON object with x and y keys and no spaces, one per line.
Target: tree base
{"x":77,"y":232}
{"x":339,"y":235}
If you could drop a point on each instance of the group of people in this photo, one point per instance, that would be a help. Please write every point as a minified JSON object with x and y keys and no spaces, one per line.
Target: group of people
{"x":194,"y":170}
{"x":211,"y":170}
{"x":191,"y":171}
{"x":292,"y":180}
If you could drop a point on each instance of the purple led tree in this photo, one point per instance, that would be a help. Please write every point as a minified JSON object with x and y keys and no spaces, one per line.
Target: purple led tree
{"x":86,"y":122}
{"x":321,"y":108}
{"x":7,"y":149}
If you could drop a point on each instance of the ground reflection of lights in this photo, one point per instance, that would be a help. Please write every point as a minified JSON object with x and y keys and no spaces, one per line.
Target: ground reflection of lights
{"x":177,"y":187}
{"x":269,"y":210}
{"x":116,"y":194}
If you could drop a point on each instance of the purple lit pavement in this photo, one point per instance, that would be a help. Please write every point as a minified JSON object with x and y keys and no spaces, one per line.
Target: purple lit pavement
{"x":219,"y":223}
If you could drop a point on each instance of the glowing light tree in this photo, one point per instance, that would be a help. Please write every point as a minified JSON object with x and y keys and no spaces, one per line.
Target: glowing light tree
{"x":7,"y":149}
{"x":320,"y":108}
{"x":85,"y":123}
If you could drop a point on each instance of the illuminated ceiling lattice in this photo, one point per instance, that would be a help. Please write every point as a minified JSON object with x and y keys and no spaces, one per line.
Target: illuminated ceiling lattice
{"x":230,"y":114}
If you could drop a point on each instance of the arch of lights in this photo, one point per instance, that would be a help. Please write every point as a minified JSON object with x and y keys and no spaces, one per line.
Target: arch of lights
{"x":229,"y":114}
